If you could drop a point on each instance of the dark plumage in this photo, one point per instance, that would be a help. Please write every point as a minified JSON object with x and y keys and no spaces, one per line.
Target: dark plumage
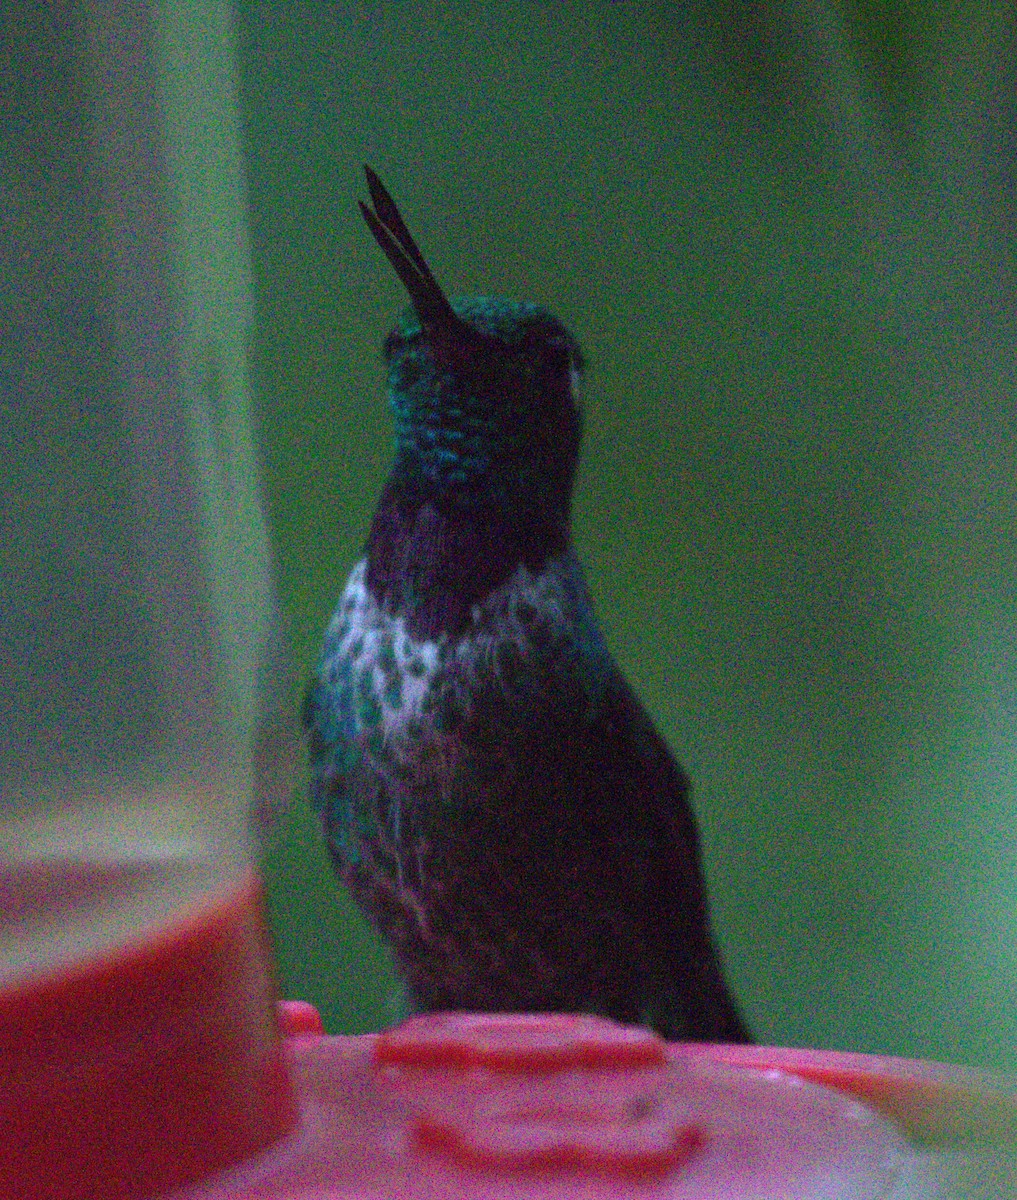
{"x":492,"y":792}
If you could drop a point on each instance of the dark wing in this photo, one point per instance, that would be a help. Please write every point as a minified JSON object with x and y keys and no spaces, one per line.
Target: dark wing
{"x":642,"y":795}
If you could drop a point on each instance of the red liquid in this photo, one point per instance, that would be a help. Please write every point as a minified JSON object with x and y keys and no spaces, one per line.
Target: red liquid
{"x":144,"y":1067}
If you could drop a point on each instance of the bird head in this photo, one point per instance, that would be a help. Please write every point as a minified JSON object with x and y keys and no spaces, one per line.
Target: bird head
{"x":484,"y":391}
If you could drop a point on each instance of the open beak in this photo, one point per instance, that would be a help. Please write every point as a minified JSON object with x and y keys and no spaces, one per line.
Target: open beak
{"x":432,"y":307}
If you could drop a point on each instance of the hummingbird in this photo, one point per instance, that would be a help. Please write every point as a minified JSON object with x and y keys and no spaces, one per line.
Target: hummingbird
{"x":492,"y":793}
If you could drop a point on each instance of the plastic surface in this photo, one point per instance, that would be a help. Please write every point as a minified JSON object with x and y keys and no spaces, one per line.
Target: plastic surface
{"x":522,"y":1043}
{"x":136,"y":600}
{"x":137,"y":1041}
{"x":458,"y":1105}
{"x":142,"y":1068}
{"x":934,"y":1103}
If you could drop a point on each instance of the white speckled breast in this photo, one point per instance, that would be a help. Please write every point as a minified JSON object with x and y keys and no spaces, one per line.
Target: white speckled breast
{"x":386,"y":679}
{"x":383,"y":674}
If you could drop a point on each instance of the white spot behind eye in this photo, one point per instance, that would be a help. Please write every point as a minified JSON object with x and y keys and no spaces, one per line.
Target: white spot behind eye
{"x":574,"y":380}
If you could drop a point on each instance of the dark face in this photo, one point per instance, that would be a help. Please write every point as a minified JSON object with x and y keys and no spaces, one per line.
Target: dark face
{"x":495,"y":410}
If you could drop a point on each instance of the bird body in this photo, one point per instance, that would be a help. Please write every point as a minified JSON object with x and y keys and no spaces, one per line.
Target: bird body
{"x":492,"y":793}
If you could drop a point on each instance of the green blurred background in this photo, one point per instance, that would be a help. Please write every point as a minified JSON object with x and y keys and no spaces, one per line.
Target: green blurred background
{"x":784,"y":234}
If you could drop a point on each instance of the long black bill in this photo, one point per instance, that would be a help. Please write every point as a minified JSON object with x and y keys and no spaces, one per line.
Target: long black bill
{"x":401,"y":250}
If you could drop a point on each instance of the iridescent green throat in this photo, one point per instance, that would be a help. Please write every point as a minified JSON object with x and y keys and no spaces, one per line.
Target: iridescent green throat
{"x":475,"y":422}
